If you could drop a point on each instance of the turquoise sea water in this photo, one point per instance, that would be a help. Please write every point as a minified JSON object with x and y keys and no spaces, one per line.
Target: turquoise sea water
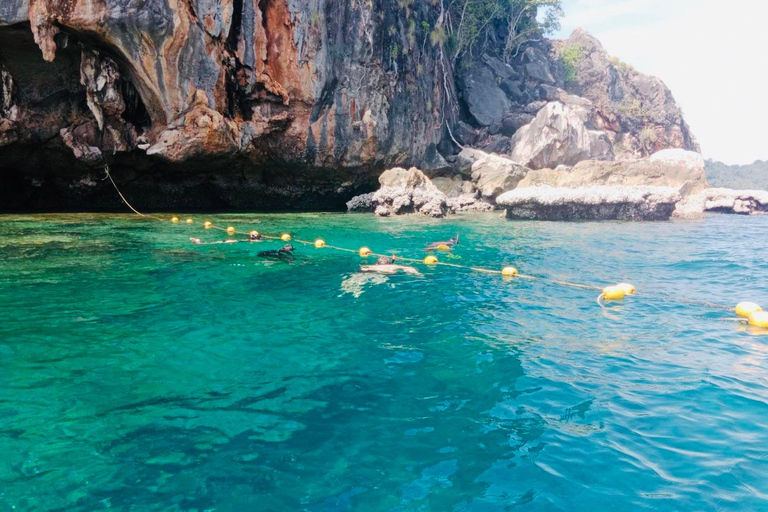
{"x":141,"y":372}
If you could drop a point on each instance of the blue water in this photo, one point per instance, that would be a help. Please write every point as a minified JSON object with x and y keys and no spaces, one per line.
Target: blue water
{"x":141,"y":372}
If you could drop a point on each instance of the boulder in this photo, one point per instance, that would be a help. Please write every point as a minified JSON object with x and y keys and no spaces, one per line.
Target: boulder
{"x":362,"y":203}
{"x":659,"y":173}
{"x":741,"y":202}
{"x":485,"y":101}
{"x":467,"y":158}
{"x":499,"y":144}
{"x":723,"y":200}
{"x":537,"y":65}
{"x":470,"y":203}
{"x":513,"y":121}
{"x":559,"y":135}
{"x":408,"y":191}
{"x":676,"y":156}
{"x":451,"y":187}
{"x":494,"y":175}
{"x":590,"y":203}
{"x":515,"y":91}
{"x":501,"y":69}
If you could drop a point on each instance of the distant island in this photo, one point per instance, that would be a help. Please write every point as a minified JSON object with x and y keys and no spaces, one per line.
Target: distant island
{"x":753,"y":176}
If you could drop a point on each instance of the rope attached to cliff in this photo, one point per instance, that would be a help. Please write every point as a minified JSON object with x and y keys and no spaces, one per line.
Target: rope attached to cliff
{"x":752,"y":312}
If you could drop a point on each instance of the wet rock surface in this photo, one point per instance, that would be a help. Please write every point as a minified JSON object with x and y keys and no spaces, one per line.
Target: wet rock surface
{"x":723,"y":200}
{"x":593,"y":203}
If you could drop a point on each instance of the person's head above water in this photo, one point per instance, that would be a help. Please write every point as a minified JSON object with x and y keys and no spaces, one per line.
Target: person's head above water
{"x":287,"y":248}
{"x":384,"y":260}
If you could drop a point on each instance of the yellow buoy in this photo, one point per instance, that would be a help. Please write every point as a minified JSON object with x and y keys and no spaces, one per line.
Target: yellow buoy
{"x":364,"y":251}
{"x":207,"y":225}
{"x":174,"y":219}
{"x":190,"y":221}
{"x":430,"y":260}
{"x":286,"y":237}
{"x":230,"y":230}
{"x":319,"y":243}
{"x":759,"y":319}
{"x":628,"y":288}
{"x":509,"y":271}
{"x":747,"y":308}
{"x":614,"y":293}
{"x":443,"y":247}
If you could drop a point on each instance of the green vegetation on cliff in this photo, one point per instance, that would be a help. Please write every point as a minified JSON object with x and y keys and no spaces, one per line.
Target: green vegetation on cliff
{"x":751,"y":176}
{"x":474,"y":26}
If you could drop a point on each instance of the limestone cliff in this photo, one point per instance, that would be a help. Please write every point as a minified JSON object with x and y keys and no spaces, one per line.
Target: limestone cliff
{"x":260,"y":104}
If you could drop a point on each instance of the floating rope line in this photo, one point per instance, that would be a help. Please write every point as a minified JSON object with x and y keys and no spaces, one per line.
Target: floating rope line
{"x":751,"y":313}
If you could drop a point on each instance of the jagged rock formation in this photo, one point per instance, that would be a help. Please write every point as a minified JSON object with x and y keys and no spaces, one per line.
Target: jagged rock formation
{"x":408,"y":191}
{"x":648,"y":189}
{"x":670,"y":183}
{"x":636,"y":111}
{"x":267,"y":104}
{"x":593,"y":203}
{"x":560,"y":135}
{"x":213,"y":103}
{"x":723,"y":200}
{"x":687,"y":179}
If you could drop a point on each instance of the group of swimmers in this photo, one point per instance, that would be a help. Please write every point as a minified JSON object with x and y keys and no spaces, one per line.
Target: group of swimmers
{"x":384,"y":265}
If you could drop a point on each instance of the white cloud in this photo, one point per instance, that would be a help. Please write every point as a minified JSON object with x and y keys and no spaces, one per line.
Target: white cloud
{"x":711,"y":53}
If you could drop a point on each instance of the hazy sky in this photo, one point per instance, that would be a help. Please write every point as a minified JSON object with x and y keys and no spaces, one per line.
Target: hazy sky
{"x":712,"y":54}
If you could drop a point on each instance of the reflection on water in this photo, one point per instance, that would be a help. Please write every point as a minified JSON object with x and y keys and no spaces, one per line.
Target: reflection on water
{"x":139,"y":372}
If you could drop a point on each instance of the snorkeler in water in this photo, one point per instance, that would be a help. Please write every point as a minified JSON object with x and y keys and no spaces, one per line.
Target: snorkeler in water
{"x":448,"y":243}
{"x":386,"y":265}
{"x":284,"y":253}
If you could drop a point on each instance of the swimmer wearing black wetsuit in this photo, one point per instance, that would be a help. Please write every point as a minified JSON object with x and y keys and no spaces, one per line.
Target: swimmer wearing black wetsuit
{"x":448,"y":243}
{"x":284,"y":253}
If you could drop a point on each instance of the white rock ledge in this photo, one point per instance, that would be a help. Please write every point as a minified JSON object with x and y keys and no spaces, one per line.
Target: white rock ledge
{"x":590,"y":203}
{"x":724,"y":200}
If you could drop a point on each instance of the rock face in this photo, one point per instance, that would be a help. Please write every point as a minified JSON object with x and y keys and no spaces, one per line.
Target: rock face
{"x":275,"y":104}
{"x":723,"y":200}
{"x":593,"y":203}
{"x":681,"y":170}
{"x":494,"y":175}
{"x":214,"y":103}
{"x":408,"y":191}
{"x":648,"y":189}
{"x":559,"y":135}
{"x":741,"y":202}
{"x":637,"y":112}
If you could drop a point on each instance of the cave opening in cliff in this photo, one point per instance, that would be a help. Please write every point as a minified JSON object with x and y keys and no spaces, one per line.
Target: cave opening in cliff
{"x":51,"y":88}
{"x":54,"y":90}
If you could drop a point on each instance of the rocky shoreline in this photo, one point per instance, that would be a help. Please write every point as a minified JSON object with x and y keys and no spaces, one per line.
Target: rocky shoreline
{"x":296,"y":104}
{"x":670,"y":183}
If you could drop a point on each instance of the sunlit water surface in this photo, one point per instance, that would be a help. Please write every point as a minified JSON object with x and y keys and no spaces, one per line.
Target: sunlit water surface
{"x":141,"y":372}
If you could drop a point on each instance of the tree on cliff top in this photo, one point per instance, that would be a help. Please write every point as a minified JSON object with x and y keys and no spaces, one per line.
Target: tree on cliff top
{"x":501,"y":26}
